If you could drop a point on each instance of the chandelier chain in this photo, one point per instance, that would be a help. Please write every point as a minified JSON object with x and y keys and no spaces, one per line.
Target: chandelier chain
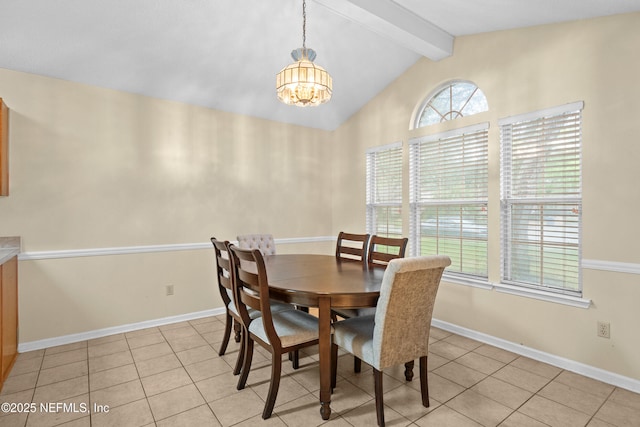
{"x":304,"y":24}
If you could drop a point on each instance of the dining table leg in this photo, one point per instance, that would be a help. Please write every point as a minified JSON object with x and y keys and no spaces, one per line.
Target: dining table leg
{"x":324,"y":348}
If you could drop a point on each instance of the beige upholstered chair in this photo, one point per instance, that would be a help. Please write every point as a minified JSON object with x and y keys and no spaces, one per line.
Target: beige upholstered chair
{"x":278,"y":332}
{"x":262,"y":242}
{"x":352,"y":247}
{"x":399,"y":331}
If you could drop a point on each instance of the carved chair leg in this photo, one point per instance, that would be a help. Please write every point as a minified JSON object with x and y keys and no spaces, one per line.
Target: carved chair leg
{"x":408,"y":370}
{"x":237,"y":328}
{"x":377,"y":379}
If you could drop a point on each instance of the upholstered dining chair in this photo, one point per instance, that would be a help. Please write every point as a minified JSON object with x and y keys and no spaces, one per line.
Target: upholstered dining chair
{"x":352,"y":247}
{"x":399,"y":331}
{"x":232,"y":316}
{"x":278,"y":332}
{"x":394,"y":248}
{"x":262,"y":242}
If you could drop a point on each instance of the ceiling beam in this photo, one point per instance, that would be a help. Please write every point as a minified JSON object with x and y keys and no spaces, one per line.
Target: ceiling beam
{"x":393,"y":21}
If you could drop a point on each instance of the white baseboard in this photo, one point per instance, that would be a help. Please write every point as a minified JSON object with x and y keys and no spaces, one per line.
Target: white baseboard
{"x":561,"y":362}
{"x":99,"y":333}
{"x":570,"y":365}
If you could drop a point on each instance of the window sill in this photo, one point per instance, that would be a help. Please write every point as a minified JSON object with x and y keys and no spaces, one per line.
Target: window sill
{"x":542,"y":295}
{"x":467,"y":281}
{"x":519,"y":291}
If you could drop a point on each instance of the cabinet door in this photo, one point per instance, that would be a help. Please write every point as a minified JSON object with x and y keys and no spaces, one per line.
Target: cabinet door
{"x":4,"y":149}
{"x":9,"y":314}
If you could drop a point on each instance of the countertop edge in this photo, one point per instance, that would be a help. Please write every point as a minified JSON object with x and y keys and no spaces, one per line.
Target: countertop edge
{"x":9,"y":247}
{"x":7,"y":253}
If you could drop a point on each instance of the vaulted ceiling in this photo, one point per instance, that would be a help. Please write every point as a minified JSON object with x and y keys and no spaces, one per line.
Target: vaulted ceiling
{"x":224,"y":54}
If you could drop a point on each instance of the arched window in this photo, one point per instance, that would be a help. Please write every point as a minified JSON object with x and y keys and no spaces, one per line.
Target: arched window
{"x":454,"y":99}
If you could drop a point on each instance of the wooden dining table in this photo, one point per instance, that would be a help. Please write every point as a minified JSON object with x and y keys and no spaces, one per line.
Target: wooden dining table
{"x":324,"y":282}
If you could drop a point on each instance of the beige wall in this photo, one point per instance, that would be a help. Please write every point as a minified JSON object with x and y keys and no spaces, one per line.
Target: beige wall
{"x":93,"y":168}
{"x":96,"y":168}
{"x":594,"y":61}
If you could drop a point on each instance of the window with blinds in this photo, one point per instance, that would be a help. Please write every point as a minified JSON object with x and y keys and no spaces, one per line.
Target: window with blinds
{"x":384,"y":190}
{"x":541,"y":199}
{"x":448,"y":198}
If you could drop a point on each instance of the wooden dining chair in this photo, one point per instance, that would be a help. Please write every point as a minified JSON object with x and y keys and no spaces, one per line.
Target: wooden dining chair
{"x":384,"y":249}
{"x":278,"y":332}
{"x":262,"y":242}
{"x":399,"y":331}
{"x":267,"y":246}
{"x":232,"y":316}
{"x":352,"y":247}
{"x":223,"y":274}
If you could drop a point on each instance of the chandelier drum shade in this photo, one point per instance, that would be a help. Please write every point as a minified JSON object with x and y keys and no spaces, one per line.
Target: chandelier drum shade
{"x":304,"y":83}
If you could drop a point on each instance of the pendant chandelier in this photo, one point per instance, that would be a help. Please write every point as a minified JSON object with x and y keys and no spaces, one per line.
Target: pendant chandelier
{"x":304,"y":83}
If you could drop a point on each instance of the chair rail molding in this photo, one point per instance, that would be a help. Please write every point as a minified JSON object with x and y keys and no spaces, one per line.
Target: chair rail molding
{"x":619,"y":267}
{"x":128,"y":250}
{"x":590,"y":264}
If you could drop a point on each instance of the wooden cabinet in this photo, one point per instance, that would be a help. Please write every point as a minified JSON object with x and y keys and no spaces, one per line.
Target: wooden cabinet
{"x":4,"y":149}
{"x":8,"y":316}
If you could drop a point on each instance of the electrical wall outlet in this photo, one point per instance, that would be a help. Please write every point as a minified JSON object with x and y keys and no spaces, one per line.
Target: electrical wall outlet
{"x":604,"y":329}
{"x":169,"y":290}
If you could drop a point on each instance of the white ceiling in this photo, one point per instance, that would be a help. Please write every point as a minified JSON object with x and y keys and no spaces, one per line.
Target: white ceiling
{"x":224,"y":54}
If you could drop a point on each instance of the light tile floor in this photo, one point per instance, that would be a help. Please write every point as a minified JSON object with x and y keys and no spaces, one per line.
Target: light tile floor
{"x":172,"y":376}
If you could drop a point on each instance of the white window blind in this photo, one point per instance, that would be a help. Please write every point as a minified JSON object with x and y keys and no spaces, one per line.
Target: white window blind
{"x":384,"y":190}
{"x":541,"y":199}
{"x":448,"y":198}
